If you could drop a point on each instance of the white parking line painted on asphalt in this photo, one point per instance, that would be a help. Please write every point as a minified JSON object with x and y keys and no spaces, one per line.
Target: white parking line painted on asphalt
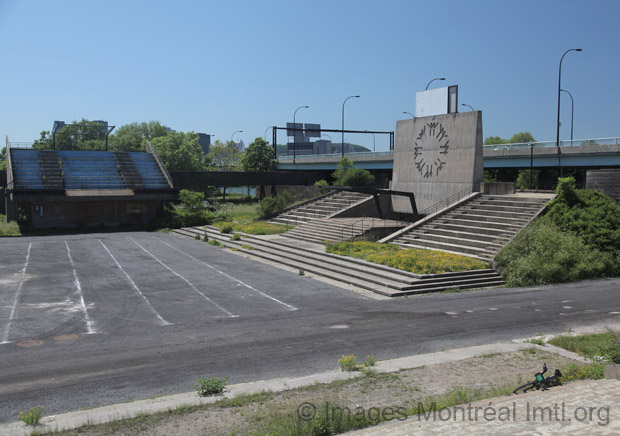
{"x":90,"y":325}
{"x":7,"y":329}
{"x":288,"y":306}
{"x":162,"y":321}
{"x":191,"y":285}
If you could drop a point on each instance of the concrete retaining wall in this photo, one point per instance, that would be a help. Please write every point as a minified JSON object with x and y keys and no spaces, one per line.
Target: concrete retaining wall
{"x":607,"y":181}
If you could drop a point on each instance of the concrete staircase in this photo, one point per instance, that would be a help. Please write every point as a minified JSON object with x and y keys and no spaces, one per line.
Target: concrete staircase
{"x":339,"y":229}
{"x":478,"y":228}
{"x":322,"y":207}
{"x":128,"y":170}
{"x":384,"y":280}
{"x":51,"y":170}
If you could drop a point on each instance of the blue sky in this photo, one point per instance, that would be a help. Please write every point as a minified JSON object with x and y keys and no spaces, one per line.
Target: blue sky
{"x":220,"y":66}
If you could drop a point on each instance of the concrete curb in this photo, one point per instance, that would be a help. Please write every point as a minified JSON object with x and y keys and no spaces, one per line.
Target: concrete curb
{"x":101,"y":415}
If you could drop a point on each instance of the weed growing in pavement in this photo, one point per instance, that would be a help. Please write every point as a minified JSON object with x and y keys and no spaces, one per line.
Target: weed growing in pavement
{"x":32,"y":417}
{"x":236,"y":237}
{"x":208,"y":386}
{"x":197,"y":237}
{"x":205,"y":238}
{"x":215,"y":243}
{"x":348,"y":363}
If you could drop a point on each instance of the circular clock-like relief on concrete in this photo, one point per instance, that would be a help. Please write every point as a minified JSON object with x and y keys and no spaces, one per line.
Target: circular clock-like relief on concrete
{"x":430,"y":151}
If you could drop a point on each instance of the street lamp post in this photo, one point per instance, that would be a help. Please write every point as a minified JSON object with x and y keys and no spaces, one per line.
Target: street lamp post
{"x":557,"y":136}
{"x":373,"y":140}
{"x":295,"y":131}
{"x":572,"y":113}
{"x":438,"y":78}
{"x":343,"y":103}
{"x":409,"y":113}
{"x":265,"y":134}
{"x":232,"y":136}
{"x":463,"y":104}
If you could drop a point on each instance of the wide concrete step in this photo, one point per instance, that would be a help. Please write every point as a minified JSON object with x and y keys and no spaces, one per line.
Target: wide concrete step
{"x":492,"y":279}
{"x":462,"y":227}
{"x":460,"y":234}
{"x":418,"y":235}
{"x":490,"y":225}
{"x":499,"y":208}
{"x":448,"y":247}
{"x":472,"y":216}
{"x":325,"y":268}
{"x":516,"y":203}
{"x":357,"y":272}
{"x":494,"y":213}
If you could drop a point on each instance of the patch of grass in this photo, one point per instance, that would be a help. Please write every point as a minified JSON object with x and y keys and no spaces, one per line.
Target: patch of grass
{"x":215,"y":243}
{"x":490,"y":354}
{"x":593,"y":371}
{"x":253,"y":227}
{"x":412,"y":260}
{"x":529,"y":351}
{"x":247,"y":247}
{"x":537,"y":341}
{"x":236,"y":237}
{"x":601,"y":346}
{"x":8,"y":229}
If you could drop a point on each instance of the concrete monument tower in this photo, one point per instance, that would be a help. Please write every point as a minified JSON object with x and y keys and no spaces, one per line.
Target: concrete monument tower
{"x":437,"y":156}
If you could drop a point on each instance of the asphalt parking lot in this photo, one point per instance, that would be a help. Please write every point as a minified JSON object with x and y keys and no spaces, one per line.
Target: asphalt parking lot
{"x":55,"y":288}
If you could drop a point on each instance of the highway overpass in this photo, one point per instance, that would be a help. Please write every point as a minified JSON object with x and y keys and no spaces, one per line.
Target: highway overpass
{"x":584,"y":153}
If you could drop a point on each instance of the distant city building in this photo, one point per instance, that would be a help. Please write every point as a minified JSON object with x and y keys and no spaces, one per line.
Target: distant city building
{"x":301,"y":144}
{"x":348,"y":148}
{"x":322,"y":146}
{"x":204,"y":141}
{"x":240,"y":145}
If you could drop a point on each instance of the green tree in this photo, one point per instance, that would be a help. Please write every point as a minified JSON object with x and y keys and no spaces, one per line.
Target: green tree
{"x":347,"y":175}
{"x":132,"y":137}
{"x":3,"y":159}
{"x":79,"y":135}
{"x":192,"y":201}
{"x":44,"y":142}
{"x":180,"y":151}
{"x":521,"y":137}
{"x":259,"y":157}
{"x":224,"y":156}
{"x":492,"y":140}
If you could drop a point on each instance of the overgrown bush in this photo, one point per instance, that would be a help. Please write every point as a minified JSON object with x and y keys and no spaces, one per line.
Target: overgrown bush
{"x":543,"y":254}
{"x":591,"y":215}
{"x":525,"y":182}
{"x":321,"y":184}
{"x":191,"y":212}
{"x":8,"y":229}
{"x":226,"y":228}
{"x":270,"y":206}
{"x":347,"y":175}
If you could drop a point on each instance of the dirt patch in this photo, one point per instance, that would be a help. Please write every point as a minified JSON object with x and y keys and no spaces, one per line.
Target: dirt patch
{"x":405,"y":388}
